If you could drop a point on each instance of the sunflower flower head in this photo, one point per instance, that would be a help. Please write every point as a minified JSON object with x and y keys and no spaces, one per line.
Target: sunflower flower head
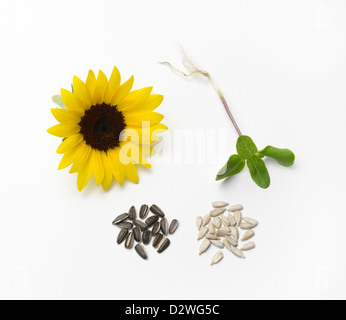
{"x":107,"y":129}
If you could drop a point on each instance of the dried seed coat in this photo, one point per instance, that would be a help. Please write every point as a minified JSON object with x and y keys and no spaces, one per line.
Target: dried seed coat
{"x":164,"y":226}
{"x":143,"y":212}
{"x":129,"y":241}
{"x":236,"y":207}
{"x":151,"y":221}
{"x":125,"y":225}
{"x":199,"y":223}
{"x":120,"y":218}
{"x":137,"y":234}
{"x":248,"y":235}
{"x":157,"y":240}
{"x":156,"y":228}
{"x":164,"y":245}
{"x":217,"y":258}
{"x":140,"y":224}
{"x":238,"y":217}
{"x":141,"y":251}
{"x":146,"y":237}
{"x":251,"y":221}
{"x":132,"y":213}
{"x":219,"y":204}
{"x":204,"y":246}
{"x":157,"y":211}
{"x":174,"y":226}
{"x":248,"y":246}
{"x":122,"y":235}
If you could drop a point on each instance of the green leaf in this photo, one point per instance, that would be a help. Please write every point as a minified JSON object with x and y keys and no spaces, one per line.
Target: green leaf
{"x":284,"y":156}
{"x":259,"y":172}
{"x":58,"y":100}
{"x":246,"y":147}
{"x":233,"y":166}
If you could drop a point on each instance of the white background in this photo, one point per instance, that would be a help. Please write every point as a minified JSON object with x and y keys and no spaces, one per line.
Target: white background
{"x":281,"y":65}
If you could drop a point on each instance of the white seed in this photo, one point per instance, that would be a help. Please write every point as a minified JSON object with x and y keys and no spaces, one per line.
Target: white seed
{"x":217,"y":223}
{"x":204,"y":246}
{"x":217,"y":212}
{"x":202,"y":233}
{"x":238,"y":253}
{"x":225,"y":221}
{"x":248,"y":246}
{"x":212,"y":236}
{"x":217,"y":244}
{"x":246,"y":226}
{"x":220,"y":204}
{"x":222,"y":233}
{"x":236,"y":207}
{"x":238,"y":217}
{"x":232,"y":221}
{"x":251,"y":221}
{"x":199,"y":222}
{"x":206,"y":219}
{"x":248,"y":235}
{"x":211,"y":228}
{"x":235,"y":233}
{"x":232,"y":241}
{"x":217,"y":258}
{"x":227,"y":245}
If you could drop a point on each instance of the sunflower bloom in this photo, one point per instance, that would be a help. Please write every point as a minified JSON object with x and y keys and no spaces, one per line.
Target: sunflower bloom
{"x":107,"y":130}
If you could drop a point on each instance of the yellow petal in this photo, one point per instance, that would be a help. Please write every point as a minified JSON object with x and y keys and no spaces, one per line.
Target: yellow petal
{"x":116,"y":166}
{"x":122,"y":92}
{"x":66,"y":160}
{"x":146,"y":135}
{"x":70,"y":101}
{"x":152,"y":103}
{"x":131,"y":173}
{"x":113,"y":85}
{"x":138,"y":153}
{"x":97,"y":166}
{"x":135,"y":99}
{"x":101,"y":85}
{"x":70,"y":143}
{"x":64,"y":130}
{"x":81,"y":158}
{"x":84,"y":175}
{"x":107,"y":180}
{"x":136,"y":119}
{"x":65,"y":116}
{"x":90,"y":85}
{"x":81,"y":92}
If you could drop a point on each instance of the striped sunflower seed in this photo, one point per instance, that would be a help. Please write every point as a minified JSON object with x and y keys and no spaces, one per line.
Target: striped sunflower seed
{"x":157,"y":240}
{"x":146,"y":237}
{"x":219,"y":204}
{"x":132,"y":213}
{"x":129,"y":241}
{"x":157,"y":211}
{"x":248,"y":235}
{"x":206,"y":219}
{"x":151,"y":221}
{"x":238,"y":217}
{"x":164,"y":226}
{"x":199,"y":223}
{"x":143,"y":213}
{"x":217,"y":244}
{"x":251,"y":221}
{"x":246,"y":226}
{"x":217,"y":212}
{"x":217,"y":222}
{"x":202,"y":233}
{"x":141,"y":251}
{"x":122,"y":235}
{"x":204,"y":246}
{"x":174,"y":226}
{"x":137,"y":234}
{"x":120,"y":218}
{"x":248,"y":246}
{"x":217,"y":258}
{"x":156,"y":228}
{"x":125,"y":225}
{"x":236,"y":207}
{"x":164,"y":245}
{"x":140,"y":224}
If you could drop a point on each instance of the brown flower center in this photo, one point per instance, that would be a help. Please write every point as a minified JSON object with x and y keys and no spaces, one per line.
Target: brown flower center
{"x":101,"y":126}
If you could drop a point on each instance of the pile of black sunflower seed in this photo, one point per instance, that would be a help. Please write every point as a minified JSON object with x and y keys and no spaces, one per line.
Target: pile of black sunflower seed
{"x":144,"y":229}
